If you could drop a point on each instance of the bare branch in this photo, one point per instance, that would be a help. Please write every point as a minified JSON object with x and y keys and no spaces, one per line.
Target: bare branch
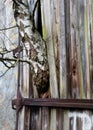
{"x":6,"y":35}
{"x":20,"y":2}
{"x":5,"y":64}
{"x":4,"y":73}
{"x":14,"y":60}
{"x":7,"y":28}
{"x":35,"y":7}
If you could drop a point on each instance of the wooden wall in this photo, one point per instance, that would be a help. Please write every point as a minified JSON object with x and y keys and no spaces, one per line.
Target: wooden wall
{"x":67,"y":28}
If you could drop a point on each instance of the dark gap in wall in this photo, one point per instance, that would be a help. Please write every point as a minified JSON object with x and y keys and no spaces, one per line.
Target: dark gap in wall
{"x":39,"y":24}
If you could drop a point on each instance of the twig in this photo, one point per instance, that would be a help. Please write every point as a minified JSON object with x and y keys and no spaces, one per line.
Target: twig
{"x":4,"y":73}
{"x":20,"y":2}
{"x":6,"y":65}
{"x":7,"y":28}
{"x":35,"y":7}
{"x":14,"y":59}
{"x":6,"y":35}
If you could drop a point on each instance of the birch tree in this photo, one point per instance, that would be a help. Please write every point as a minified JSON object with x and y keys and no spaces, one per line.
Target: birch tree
{"x":32,"y":43}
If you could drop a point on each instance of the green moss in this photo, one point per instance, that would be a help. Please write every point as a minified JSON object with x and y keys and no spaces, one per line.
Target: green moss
{"x":44,"y":32}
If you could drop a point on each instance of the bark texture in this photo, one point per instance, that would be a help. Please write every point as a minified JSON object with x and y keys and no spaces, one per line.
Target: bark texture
{"x":34,"y":45}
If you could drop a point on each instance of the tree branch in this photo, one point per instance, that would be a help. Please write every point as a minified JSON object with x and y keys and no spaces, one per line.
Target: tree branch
{"x":4,"y":73}
{"x":5,"y":64}
{"x":14,"y":60}
{"x":7,"y":28}
{"x":17,"y":2}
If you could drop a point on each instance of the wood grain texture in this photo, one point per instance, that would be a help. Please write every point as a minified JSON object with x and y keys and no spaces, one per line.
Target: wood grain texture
{"x":67,"y":29}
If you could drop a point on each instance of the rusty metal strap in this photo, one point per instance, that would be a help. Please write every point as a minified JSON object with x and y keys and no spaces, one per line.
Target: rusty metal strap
{"x":53,"y":103}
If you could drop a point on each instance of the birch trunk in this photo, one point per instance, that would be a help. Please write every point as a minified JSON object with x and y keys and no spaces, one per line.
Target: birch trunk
{"x":34,"y":45}
{"x":34,"y":77}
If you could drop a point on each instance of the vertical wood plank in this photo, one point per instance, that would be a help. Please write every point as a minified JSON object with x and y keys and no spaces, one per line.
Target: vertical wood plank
{"x":24,"y":117}
{"x":68,"y":46}
{"x":87,"y":42}
{"x":66,"y":121}
{"x":78,"y":46}
{"x":48,"y":34}
{"x":60,"y":119}
{"x":91,"y":47}
{"x":45,"y":118}
{"x":62,"y":51}
{"x":81,"y":49}
{"x":25,"y":89}
{"x":75,"y":82}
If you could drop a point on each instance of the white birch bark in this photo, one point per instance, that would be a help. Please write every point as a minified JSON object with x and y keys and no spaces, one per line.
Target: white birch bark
{"x":33,"y":42}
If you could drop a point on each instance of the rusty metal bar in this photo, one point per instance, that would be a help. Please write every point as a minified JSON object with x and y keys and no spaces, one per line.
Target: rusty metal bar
{"x":54,"y":103}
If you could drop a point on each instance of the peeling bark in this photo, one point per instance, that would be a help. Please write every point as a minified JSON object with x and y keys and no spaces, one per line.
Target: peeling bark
{"x":35,"y":46}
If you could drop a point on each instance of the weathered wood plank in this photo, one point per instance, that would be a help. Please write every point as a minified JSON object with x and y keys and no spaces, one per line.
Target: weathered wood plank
{"x":91,"y":47}
{"x":59,"y":123}
{"x":81,"y":47}
{"x":68,"y":46}
{"x":25,"y":87}
{"x":74,"y":51}
{"x":62,"y":52}
{"x":48,"y":22}
{"x":87,"y":42}
{"x":47,"y":12}
{"x":45,"y":118}
{"x":24,"y":117}
{"x":66,"y":122}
